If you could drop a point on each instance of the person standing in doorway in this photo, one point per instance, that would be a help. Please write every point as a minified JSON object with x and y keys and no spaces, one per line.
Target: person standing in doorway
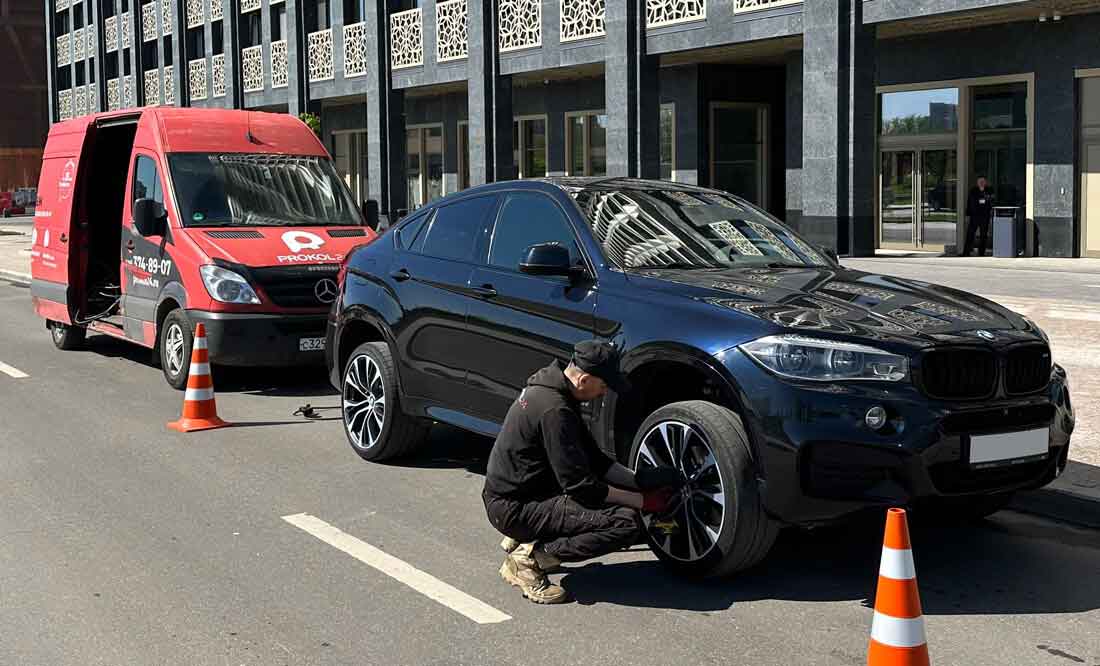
{"x":979,"y":208}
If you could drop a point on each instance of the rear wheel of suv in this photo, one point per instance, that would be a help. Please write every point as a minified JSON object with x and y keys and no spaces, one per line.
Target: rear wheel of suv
{"x":176,"y":339}
{"x":67,"y":337}
{"x":373,"y":421}
{"x":718,"y":525}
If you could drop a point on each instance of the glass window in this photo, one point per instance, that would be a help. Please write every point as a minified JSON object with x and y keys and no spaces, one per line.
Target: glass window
{"x":529,"y":218}
{"x":433,"y":159}
{"x":455,"y":228}
{"x":740,"y":156}
{"x":424,"y":165}
{"x":597,"y":144}
{"x":278,"y":22}
{"x":146,"y":182}
{"x":920,"y":112}
{"x":1001,"y":107}
{"x":407,"y":234}
{"x":586,"y":135}
{"x":575,"y":127}
{"x":463,"y":155}
{"x":412,"y":169}
{"x":534,"y":148}
{"x":668,"y":131}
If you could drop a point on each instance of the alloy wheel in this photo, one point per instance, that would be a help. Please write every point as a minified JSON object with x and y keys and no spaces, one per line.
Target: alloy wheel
{"x":173,"y":349}
{"x":364,"y":401}
{"x":690,"y":529}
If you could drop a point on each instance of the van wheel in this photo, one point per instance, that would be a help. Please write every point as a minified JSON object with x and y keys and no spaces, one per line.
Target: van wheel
{"x":718,"y":526}
{"x":176,"y":338}
{"x":373,"y":421}
{"x":67,"y":337}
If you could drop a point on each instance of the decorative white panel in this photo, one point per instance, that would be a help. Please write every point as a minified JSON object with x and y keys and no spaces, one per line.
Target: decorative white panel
{"x":89,"y":42}
{"x":520,"y":24}
{"x":671,"y":12}
{"x":196,"y":78}
{"x":114,"y":100}
{"x":252,"y":68}
{"x":77,"y":44}
{"x":80,"y":102}
{"x":126,"y":28}
{"x":64,"y":50}
{"x":169,"y":85}
{"x":741,"y":6}
{"x":451,"y":41}
{"x":249,"y":6}
{"x":62,"y":5}
{"x":581,"y":19}
{"x":355,"y":50}
{"x":165,"y":18}
{"x":110,"y":33}
{"x":216,"y":10}
{"x":406,"y":39}
{"x":196,"y":13}
{"x":217,"y":75}
{"x":149,"y":22}
{"x":128,"y":92}
{"x":64,"y":105}
{"x":320,"y":55}
{"x":279,"y":76}
{"x":152,"y":87}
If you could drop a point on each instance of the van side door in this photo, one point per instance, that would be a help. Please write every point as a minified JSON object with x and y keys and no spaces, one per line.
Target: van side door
{"x":147,"y":265}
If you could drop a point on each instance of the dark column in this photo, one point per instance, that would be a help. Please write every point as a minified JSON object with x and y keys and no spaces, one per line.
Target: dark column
{"x":838,"y":127}
{"x":794,"y":139}
{"x":51,"y":59}
{"x":1055,"y":125}
{"x":296,"y":80}
{"x":232,"y":48}
{"x":632,"y":93}
{"x":489,"y":106}
{"x":181,"y":83}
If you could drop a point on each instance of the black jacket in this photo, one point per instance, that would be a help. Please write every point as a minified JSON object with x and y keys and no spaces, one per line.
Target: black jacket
{"x":544,"y":448}
{"x":979,"y":205}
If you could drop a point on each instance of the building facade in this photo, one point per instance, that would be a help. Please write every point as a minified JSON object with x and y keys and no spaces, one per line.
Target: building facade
{"x":26,"y":117}
{"x":862,"y":123}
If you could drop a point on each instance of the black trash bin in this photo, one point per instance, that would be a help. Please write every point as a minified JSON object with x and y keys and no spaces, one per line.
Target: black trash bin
{"x":1007,"y":231}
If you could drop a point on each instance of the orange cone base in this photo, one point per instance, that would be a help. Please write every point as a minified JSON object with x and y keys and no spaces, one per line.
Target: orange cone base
{"x":191,"y":425}
{"x":886,"y":655}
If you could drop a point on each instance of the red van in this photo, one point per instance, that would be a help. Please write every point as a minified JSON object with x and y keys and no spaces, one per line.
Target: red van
{"x":150,"y":221}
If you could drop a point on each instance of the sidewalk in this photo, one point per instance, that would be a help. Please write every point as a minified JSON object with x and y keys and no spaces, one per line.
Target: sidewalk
{"x":1045,"y":264}
{"x":1075,"y":497}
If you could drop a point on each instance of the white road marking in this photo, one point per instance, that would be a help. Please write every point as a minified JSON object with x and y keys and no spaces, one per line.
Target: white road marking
{"x":399,"y":570}
{"x":14,"y":373}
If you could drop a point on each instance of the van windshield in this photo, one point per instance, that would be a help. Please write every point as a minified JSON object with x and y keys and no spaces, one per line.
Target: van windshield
{"x":234,"y":189}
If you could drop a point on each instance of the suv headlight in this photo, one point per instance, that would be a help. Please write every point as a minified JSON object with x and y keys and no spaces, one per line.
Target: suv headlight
{"x":226,"y":286}
{"x":815,"y":359}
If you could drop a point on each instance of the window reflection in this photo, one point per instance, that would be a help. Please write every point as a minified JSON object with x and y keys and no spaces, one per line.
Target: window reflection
{"x":920,"y":112}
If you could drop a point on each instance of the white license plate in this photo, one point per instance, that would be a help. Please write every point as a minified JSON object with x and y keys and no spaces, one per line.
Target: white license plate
{"x":1009,"y":447}
{"x":311,"y":344}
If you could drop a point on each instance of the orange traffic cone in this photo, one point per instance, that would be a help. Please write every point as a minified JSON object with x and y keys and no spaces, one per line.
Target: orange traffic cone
{"x":199,"y":410}
{"x":897,"y":632}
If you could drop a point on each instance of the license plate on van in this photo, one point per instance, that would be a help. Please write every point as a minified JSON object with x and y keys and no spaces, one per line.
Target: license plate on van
{"x":1008,"y":448}
{"x":311,"y":344}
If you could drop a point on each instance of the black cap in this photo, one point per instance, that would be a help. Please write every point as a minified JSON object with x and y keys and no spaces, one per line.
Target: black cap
{"x":601,"y":359}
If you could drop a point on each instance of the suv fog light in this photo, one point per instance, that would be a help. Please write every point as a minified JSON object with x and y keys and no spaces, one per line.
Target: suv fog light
{"x":875,"y":418}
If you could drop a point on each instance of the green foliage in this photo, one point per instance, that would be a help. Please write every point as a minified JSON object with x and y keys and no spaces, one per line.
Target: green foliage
{"x":312,"y":120}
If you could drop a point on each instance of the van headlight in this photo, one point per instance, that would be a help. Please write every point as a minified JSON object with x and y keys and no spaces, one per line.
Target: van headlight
{"x":226,"y":286}
{"x":799,"y":357}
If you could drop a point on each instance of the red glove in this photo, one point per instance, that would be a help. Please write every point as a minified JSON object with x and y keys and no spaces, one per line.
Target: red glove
{"x":657,"y":501}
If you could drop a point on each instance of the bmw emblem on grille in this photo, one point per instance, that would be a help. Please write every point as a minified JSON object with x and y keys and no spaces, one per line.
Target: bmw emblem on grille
{"x":985,"y":335}
{"x":325,"y":290}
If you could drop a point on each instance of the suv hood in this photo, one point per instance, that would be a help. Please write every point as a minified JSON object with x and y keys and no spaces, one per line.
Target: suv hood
{"x":279,"y":246}
{"x":846,"y":302}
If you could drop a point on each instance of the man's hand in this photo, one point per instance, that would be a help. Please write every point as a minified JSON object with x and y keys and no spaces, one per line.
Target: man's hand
{"x":652,"y":478}
{"x":657,"y":501}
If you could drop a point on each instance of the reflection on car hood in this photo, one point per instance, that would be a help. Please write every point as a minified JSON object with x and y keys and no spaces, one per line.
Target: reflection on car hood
{"x":846,"y":302}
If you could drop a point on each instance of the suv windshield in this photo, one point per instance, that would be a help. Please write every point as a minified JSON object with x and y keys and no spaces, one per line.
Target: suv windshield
{"x":233,"y":189}
{"x":686,"y":229}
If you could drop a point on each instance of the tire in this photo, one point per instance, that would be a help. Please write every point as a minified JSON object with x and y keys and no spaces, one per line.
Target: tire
{"x":370,"y":407}
{"x":744,"y":533}
{"x":962,"y":510}
{"x":174,"y":348}
{"x":66,"y":337}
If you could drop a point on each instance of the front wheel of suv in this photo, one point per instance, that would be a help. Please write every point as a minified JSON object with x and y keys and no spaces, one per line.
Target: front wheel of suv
{"x":373,"y":421}
{"x":717,"y":525}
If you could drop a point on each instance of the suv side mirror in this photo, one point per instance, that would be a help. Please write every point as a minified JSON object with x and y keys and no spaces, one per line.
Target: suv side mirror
{"x":829,"y":252}
{"x":150,"y":218}
{"x":547,"y":259}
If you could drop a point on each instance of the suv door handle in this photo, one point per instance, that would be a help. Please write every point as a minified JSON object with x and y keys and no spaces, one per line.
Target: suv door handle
{"x":485,"y":291}
{"x":401,"y":274}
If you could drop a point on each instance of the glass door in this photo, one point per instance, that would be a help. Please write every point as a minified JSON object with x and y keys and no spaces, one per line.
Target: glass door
{"x":739,"y":150}
{"x":919,"y":206}
{"x":896,"y":212}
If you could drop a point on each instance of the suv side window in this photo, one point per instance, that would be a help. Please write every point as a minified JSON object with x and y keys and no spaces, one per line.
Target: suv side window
{"x":529,"y":218}
{"x":408,"y":233}
{"x":146,"y":180}
{"x":455,"y":229}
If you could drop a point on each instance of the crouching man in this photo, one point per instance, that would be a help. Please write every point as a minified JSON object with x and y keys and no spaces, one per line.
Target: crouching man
{"x":550,"y":489}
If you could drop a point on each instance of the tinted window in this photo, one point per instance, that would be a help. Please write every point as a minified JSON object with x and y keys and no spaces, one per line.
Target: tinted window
{"x":454,"y":230}
{"x":527,"y":219}
{"x":146,"y":182}
{"x":407,"y":234}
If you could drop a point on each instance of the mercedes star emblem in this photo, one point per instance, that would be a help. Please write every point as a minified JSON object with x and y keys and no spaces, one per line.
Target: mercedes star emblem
{"x":325,"y":290}
{"x":985,"y":335}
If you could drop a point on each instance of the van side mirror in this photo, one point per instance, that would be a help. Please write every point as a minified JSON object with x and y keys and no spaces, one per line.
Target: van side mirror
{"x":370,"y":214}
{"x":547,"y":259}
{"x":829,"y":252}
{"x":150,"y":218}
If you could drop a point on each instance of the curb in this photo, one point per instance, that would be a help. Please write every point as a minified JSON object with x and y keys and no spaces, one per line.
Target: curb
{"x":15,"y":277}
{"x":1059,"y":505}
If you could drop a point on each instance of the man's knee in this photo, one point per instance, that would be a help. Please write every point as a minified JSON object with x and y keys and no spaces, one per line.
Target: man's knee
{"x":627,"y":523}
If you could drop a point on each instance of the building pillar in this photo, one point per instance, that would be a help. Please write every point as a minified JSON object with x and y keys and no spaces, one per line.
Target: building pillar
{"x":794,"y":140}
{"x":838,"y":127}
{"x":51,"y":60}
{"x":297,"y":83}
{"x":231,"y":47}
{"x":489,"y":106}
{"x":632,"y":94}
{"x":181,"y":83}
{"x":385,"y":119}
{"x":1052,"y":221}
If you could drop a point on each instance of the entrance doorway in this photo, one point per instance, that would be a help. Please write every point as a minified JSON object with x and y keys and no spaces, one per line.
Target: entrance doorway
{"x":919,"y":207}
{"x":739,"y":150}
{"x":1090,"y":167}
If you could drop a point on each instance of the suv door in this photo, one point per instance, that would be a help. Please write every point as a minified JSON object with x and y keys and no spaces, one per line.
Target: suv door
{"x":430,"y":276}
{"x":519,"y":322}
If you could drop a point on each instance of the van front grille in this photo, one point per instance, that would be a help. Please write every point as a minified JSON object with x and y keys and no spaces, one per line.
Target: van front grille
{"x":297,"y":286}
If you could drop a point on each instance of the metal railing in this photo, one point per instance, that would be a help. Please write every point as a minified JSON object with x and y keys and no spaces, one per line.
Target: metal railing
{"x":252,"y":68}
{"x":279,"y":74}
{"x":406,"y":39}
{"x":581,"y":19}
{"x":320,"y":55}
{"x":196,"y":79}
{"x":451,"y":30}
{"x":520,"y":24}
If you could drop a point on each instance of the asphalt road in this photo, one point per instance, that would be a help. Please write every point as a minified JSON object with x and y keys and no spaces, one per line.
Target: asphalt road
{"x":124,"y":543}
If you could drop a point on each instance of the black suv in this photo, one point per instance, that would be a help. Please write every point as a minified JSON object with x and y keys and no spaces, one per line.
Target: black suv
{"x":789,"y":389}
